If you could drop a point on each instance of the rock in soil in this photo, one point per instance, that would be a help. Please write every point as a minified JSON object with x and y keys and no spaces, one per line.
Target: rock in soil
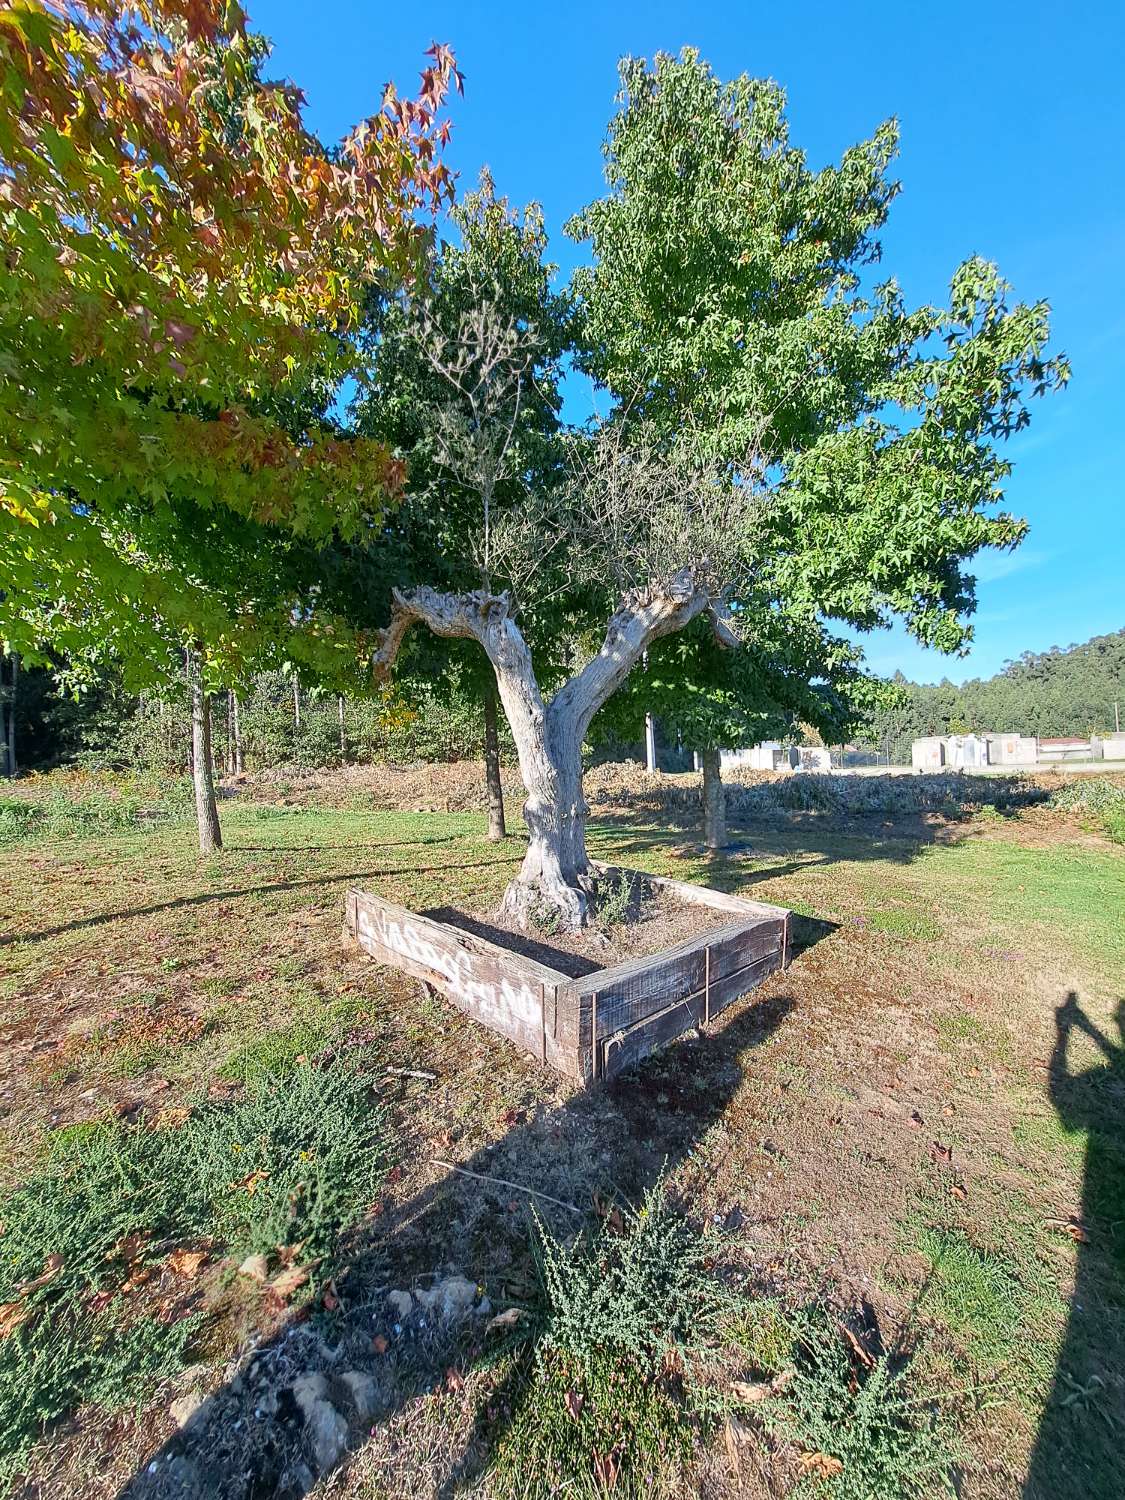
{"x":325,"y":1428}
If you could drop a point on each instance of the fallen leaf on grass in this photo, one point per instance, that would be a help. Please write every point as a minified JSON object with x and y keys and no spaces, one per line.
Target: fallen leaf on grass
{"x":454,"y":1381}
{"x":865,"y":1357}
{"x":12,"y":1314}
{"x":1073,"y":1227}
{"x":750,"y":1392}
{"x":51,"y":1268}
{"x":941,"y":1153}
{"x":504,"y":1320}
{"x":288,"y":1282}
{"x":287,"y":1254}
{"x":958,"y":1191}
{"x":187,"y":1263}
{"x":379,"y":1344}
{"x":820,"y":1465}
{"x":129,"y":1247}
{"x":574,"y":1403}
{"x":609,"y":1212}
{"x":606,"y":1467}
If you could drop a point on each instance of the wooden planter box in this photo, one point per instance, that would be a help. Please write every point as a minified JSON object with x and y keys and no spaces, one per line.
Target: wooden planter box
{"x":599,"y":1024}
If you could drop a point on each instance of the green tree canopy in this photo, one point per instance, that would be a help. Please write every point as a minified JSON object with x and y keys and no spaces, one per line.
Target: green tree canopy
{"x":732,"y":305}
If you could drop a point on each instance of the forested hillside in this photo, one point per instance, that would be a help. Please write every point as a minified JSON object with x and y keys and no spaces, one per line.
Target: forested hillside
{"x":1056,"y":692}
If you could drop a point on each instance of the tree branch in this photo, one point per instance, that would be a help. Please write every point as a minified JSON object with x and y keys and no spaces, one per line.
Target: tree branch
{"x":640,"y":619}
{"x":465,"y":615}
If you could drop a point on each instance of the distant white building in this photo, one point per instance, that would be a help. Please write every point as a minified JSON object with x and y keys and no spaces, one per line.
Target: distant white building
{"x":965,"y":750}
{"x":928,"y":754}
{"x":1012,"y":749}
{"x":970,"y":751}
{"x":768,"y":756}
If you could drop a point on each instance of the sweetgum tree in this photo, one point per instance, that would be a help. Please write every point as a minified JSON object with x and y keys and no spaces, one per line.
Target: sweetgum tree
{"x":184,"y":265}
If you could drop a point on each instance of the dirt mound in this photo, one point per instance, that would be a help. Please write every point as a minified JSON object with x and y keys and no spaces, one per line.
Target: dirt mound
{"x":421,"y":787}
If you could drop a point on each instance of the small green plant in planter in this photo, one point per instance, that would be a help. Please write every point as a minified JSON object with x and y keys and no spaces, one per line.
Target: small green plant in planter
{"x":545,"y":918}
{"x":619,"y":900}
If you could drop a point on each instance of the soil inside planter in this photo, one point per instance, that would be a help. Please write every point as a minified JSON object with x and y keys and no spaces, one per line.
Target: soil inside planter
{"x":654,"y":920}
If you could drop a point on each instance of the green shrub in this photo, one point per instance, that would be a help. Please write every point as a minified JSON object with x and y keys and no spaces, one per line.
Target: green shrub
{"x":288,"y":1162}
{"x":952,"y":794}
{"x":48,"y":1366}
{"x":883,"y":1438}
{"x":618,"y":899}
{"x":1096,"y":795}
{"x":82,"y":806}
{"x":607,"y":1398}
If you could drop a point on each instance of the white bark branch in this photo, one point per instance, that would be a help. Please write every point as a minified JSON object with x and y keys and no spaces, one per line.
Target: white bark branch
{"x":638,"y":621}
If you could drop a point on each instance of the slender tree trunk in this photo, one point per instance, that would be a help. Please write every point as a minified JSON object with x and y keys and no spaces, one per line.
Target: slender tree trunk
{"x":229,"y":763}
{"x":206,"y":808}
{"x":296,"y":703}
{"x":714,"y":801}
{"x":9,"y":765}
{"x":650,"y":743}
{"x":497,"y":829}
{"x":343,"y":736}
{"x":237,"y":732}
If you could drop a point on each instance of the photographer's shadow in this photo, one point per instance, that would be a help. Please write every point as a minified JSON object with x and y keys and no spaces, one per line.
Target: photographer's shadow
{"x":1080,"y":1446}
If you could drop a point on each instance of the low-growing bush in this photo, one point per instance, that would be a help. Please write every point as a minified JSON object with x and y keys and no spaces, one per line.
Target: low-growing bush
{"x":952,"y":794}
{"x":81,"y":805}
{"x":48,"y":1366}
{"x":608,"y":1399}
{"x":626,"y":1370}
{"x":288,"y":1163}
{"x":864,"y":1428}
{"x":1098,"y":796}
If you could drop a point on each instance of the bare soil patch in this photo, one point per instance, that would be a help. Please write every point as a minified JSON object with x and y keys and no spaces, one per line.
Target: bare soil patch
{"x":654,"y":920}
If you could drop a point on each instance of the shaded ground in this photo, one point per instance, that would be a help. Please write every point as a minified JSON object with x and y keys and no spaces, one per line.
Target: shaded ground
{"x":923,"y":1115}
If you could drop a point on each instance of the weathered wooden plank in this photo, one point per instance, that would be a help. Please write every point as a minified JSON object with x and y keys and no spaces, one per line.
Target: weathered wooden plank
{"x":504,"y":990}
{"x":627,"y":992}
{"x":627,"y":1047}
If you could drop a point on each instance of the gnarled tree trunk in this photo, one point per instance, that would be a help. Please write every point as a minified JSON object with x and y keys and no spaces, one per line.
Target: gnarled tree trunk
{"x":548,"y":736}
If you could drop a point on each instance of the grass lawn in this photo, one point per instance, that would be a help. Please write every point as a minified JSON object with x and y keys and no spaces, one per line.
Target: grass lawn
{"x":917,"y":1131}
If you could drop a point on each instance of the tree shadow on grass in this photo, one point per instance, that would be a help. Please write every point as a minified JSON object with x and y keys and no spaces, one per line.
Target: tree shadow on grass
{"x":1080,"y":1446}
{"x":889,"y":818}
{"x":606,"y":1139}
{"x":202,"y":898}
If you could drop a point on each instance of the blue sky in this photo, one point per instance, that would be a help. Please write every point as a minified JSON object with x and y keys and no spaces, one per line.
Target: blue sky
{"x":1013,"y":147}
